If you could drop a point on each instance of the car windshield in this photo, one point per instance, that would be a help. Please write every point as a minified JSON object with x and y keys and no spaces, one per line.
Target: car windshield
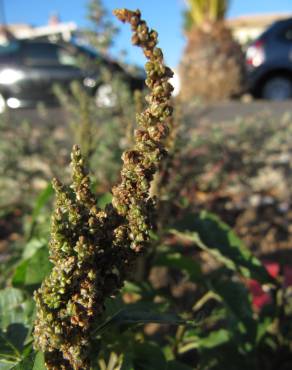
{"x":85,"y":50}
{"x":9,"y":47}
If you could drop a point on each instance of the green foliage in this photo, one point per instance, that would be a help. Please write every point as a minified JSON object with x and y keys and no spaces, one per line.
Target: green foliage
{"x":202,"y":316}
{"x":41,"y":201}
{"x":223,"y":320}
{"x":16,"y":312}
{"x":200,"y":12}
{"x":102,"y":133}
{"x":209,"y":233}
{"x":31,"y":271}
{"x":101,"y":32}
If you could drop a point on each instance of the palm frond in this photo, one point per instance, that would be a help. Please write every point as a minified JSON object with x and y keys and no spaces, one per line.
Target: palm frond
{"x":200,"y":11}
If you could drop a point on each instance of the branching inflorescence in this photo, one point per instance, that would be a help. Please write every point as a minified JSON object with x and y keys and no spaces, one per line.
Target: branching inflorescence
{"x":93,"y":250}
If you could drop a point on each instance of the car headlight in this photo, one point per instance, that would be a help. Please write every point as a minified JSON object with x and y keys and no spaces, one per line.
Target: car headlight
{"x":10,"y":76}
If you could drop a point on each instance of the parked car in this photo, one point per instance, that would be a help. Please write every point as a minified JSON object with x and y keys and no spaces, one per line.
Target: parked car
{"x":269,"y":62}
{"x":29,"y":70}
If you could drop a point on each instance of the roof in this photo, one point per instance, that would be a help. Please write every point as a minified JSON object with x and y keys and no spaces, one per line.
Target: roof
{"x":256,"y":20}
{"x":24,"y":31}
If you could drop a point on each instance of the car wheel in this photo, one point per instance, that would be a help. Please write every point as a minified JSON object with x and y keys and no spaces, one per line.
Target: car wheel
{"x":105,"y":97}
{"x":277,"y":88}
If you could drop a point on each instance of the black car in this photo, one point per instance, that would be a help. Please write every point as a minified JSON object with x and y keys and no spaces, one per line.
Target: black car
{"x":269,"y":62}
{"x":29,"y":70}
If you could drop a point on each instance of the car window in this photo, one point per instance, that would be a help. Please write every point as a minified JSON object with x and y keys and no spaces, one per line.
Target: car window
{"x":288,"y":34}
{"x":67,"y":58}
{"x":285,"y":33}
{"x":9,"y":47}
{"x":40,"y":54}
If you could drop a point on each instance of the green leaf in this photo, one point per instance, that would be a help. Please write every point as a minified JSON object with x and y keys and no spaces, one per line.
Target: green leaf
{"x":128,"y":316}
{"x":32,"y":246}
{"x":6,"y":365}
{"x":14,"y":308}
{"x":41,"y":201}
{"x":148,"y":356}
{"x":133,"y":316}
{"x":31,"y":272}
{"x":12,"y":344}
{"x":143,"y":289}
{"x":235,"y":295}
{"x":262,"y":327}
{"x":16,"y":334}
{"x":127,"y":362}
{"x":8,"y":352}
{"x":226,"y":356}
{"x":104,"y":200}
{"x":175,"y":365}
{"x":209,"y":233}
{"x":26,"y":364}
{"x":132,"y":287}
{"x":201,"y":340}
{"x":31,"y":362}
{"x":39,"y":362}
{"x":177,"y":261}
{"x":236,"y":299}
{"x":214,"y":339}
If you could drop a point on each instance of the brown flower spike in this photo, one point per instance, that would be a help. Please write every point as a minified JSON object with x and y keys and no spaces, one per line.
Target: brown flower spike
{"x":93,"y":250}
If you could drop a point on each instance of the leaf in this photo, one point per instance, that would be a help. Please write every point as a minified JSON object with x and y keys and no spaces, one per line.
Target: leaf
{"x":235,"y":295}
{"x":148,"y":356}
{"x":209,"y":233}
{"x":142,"y":289}
{"x":177,"y":261}
{"x":14,"y":308}
{"x":11,"y":345}
{"x":236,"y":299}
{"x":39,"y":362}
{"x":16,"y":333}
{"x":198,"y":340}
{"x":226,"y":356}
{"x":133,"y":316}
{"x":32,"y":246}
{"x":214,"y":339}
{"x":113,"y":305}
{"x":175,"y":365}
{"x":26,"y":364}
{"x":104,"y":200}
{"x":8,"y":352}
{"x":262,"y":327}
{"x":127,"y":362}
{"x":41,"y":201}
{"x":6,"y":365}
{"x":132,"y":287}
{"x":128,"y":316}
{"x":31,"y":362}
{"x":31,"y":272}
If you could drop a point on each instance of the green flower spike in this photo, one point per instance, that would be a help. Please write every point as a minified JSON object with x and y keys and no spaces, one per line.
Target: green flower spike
{"x":93,"y":250}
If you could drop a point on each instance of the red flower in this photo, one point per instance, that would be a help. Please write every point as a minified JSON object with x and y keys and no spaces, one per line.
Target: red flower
{"x":259,"y":297}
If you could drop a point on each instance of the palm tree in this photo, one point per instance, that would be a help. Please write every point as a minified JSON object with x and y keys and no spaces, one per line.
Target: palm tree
{"x":212,"y":64}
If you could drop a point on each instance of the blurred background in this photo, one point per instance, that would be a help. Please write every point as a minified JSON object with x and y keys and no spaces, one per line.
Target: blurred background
{"x":68,"y":74}
{"x":233,"y":71}
{"x":61,"y":70}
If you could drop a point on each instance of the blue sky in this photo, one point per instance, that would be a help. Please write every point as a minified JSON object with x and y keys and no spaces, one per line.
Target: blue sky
{"x":163,"y":15}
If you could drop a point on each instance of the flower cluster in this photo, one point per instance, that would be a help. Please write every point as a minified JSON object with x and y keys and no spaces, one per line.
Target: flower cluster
{"x":93,"y":250}
{"x":131,"y":198}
